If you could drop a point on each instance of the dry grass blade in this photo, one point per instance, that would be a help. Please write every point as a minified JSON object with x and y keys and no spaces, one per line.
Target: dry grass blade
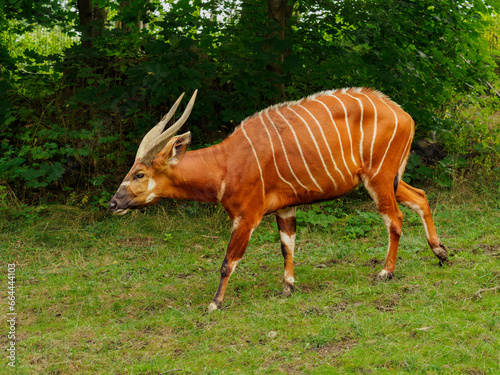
{"x":479,"y":293}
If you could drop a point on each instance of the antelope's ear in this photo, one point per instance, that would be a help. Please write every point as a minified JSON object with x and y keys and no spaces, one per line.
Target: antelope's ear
{"x":174,"y":151}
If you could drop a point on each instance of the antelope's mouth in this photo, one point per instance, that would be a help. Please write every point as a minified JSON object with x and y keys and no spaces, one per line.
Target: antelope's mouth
{"x":118,"y":206}
{"x":120,"y":211}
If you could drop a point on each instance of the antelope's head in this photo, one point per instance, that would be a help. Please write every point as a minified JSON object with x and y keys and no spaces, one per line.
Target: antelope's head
{"x":158,"y":152}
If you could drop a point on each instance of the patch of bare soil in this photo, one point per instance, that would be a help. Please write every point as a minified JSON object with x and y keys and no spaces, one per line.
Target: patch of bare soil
{"x":493,"y":250}
{"x":336,"y":349}
{"x":341,"y":306}
{"x":374,"y":263}
{"x":335,"y":261}
{"x":387,"y":303}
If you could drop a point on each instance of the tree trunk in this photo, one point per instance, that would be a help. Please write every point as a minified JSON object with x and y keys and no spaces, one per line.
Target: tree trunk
{"x":92,"y":20}
{"x":279,"y":11}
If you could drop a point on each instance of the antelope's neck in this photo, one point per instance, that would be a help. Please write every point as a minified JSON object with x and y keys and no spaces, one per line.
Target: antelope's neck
{"x":199,"y":175}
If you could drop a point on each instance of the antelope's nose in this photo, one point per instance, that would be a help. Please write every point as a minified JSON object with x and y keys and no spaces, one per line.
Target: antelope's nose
{"x":112,"y":205}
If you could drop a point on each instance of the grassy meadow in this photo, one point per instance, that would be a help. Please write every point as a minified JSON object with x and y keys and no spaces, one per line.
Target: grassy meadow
{"x":100,"y":294}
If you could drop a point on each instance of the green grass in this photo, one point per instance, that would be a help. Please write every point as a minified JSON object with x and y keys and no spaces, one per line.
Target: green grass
{"x":101,"y":294}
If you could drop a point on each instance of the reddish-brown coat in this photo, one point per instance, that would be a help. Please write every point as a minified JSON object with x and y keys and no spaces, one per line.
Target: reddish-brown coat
{"x":295,"y":153}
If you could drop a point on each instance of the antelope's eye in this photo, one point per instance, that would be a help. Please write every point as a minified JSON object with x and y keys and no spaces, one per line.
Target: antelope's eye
{"x":139,"y":175}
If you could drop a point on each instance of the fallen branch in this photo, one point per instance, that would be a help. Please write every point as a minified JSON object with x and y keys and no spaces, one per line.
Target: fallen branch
{"x":478,"y":295}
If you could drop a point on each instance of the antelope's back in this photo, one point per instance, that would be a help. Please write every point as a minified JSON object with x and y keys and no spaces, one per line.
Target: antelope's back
{"x":319,"y":147}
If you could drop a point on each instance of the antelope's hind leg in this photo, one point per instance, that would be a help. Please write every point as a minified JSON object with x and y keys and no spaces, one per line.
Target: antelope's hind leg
{"x":286,"y":219}
{"x":415,"y":199}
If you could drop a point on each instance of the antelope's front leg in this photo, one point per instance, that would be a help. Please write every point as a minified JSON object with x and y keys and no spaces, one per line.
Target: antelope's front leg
{"x":242,"y":230}
{"x":286,"y":219}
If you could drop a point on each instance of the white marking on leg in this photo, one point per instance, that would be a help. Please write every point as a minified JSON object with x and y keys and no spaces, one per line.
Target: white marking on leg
{"x":383,"y":274}
{"x":338,"y":135}
{"x":150,"y":197}
{"x":390,"y":141}
{"x":151,"y":184}
{"x":418,"y":210}
{"x":369,"y":189}
{"x":288,"y":241}
{"x":222,"y":190}
{"x":236,"y":222}
{"x":360,"y":127}
{"x":232,"y":266}
{"x":212,"y":307}
{"x":284,"y":153}
{"x":300,"y":150}
{"x":387,"y":222}
{"x":274,"y":156}
{"x":256,"y":159}
{"x":347,"y":127}
{"x":286,"y":213}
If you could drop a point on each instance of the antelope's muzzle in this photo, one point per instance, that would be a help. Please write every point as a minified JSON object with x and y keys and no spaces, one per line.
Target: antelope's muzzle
{"x":119,"y":204}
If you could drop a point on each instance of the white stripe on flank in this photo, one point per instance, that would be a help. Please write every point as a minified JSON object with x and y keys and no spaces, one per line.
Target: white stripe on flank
{"x":300,"y":150}
{"x":375,"y":118}
{"x":360,"y":127}
{"x":317,"y":147}
{"x":390,"y":141}
{"x":404,"y":156}
{"x":338,"y":135}
{"x":284,"y":152}
{"x":256,"y":158}
{"x":274,"y":156}
{"x":347,"y":126}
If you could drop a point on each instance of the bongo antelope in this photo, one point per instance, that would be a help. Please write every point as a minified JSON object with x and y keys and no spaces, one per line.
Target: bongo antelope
{"x":306,"y":151}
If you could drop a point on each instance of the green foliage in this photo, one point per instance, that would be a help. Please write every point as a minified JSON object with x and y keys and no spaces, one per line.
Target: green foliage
{"x":415,"y":170}
{"x":400,"y":52}
{"x":265,"y":236}
{"x":361,"y":224}
{"x":70,"y":99}
{"x":331,"y":214}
